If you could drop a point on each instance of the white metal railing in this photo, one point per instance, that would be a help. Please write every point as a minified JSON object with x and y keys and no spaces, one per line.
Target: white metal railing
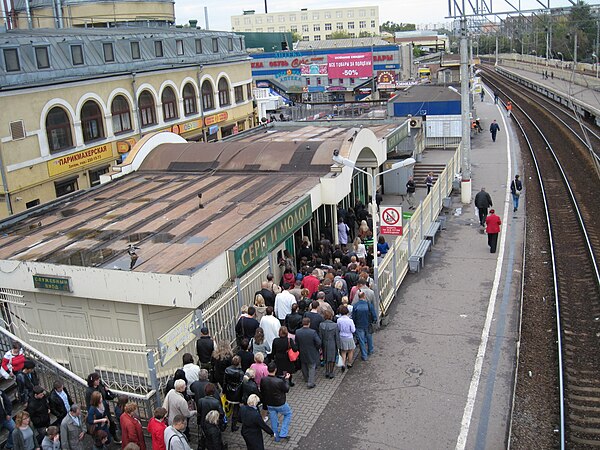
{"x":394,"y":267}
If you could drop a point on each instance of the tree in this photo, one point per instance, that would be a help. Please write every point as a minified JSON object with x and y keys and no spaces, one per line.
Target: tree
{"x":296,"y":37}
{"x":392,"y":27}
{"x":365,"y":34}
{"x":340,"y":34}
{"x":418,"y":52}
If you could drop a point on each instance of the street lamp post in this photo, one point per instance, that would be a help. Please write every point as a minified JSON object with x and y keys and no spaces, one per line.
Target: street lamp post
{"x":349,"y":163}
{"x":562,"y":60}
{"x":596,"y":56}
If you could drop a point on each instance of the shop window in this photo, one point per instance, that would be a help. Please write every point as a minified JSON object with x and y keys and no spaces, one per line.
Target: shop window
{"x":58,"y":129}
{"x":169,"y":104}
{"x":190,"y":106}
{"x":77,"y":55}
{"x":66,"y":186}
{"x":227,"y":131}
{"x":241,"y":125}
{"x":239,"y":94}
{"x":224,"y":92}
{"x":32,"y":203}
{"x":121,"y":115}
{"x":109,"y":54}
{"x":94,"y":175}
{"x":135,"y":50}
{"x":208,"y":99}
{"x":41,"y":58}
{"x":92,"y":122}
{"x":11,"y":60}
{"x":147,"y":109}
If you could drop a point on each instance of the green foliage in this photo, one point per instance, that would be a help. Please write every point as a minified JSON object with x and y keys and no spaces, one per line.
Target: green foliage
{"x":418,"y":52}
{"x":340,"y":34}
{"x":392,"y":27}
{"x":365,"y":34}
{"x":296,"y":37}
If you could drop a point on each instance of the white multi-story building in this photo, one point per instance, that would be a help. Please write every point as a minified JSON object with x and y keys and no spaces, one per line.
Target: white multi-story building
{"x":312,"y":25}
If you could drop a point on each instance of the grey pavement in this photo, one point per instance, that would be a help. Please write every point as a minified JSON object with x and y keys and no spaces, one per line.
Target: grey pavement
{"x":421,"y":389}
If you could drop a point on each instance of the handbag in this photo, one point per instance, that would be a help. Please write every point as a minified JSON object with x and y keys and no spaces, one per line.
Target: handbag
{"x":91,"y":428}
{"x":292,"y":354}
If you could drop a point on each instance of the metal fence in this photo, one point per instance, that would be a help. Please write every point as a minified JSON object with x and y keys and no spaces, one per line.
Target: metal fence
{"x":316,"y":111}
{"x":394,"y":267}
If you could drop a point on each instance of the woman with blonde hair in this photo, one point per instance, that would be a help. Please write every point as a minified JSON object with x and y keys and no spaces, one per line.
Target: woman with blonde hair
{"x":360,"y":249}
{"x":25,"y":437}
{"x":253,"y":424}
{"x":363,"y":229}
{"x":212,"y":432}
{"x":259,"y":306}
{"x":221,"y":360}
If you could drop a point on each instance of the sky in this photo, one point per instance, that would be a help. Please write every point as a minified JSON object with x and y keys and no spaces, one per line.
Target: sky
{"x":220,"y":12}
{"x":399,"y":11}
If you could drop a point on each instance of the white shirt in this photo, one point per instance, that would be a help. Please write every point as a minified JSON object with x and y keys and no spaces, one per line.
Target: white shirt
{"x":191,"y":374}
{"x":270,"y":326}
{"x":283,"y":304}
{"x":63,"y":396}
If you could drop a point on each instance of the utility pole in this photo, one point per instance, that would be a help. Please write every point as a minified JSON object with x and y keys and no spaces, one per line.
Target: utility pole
{"x":465,"y":186}
{"x":496,"y":49}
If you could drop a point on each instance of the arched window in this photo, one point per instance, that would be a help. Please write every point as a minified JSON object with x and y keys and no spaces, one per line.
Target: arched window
{"x":147,"y":109}
{"x":169,"y":104}
{"x":208,"y":99}
{"x":224,"y":92}
{"x":189,"y":100}
{"x":121,"y":116}
{"x":92,"y":122}
{"x":58,"y":129}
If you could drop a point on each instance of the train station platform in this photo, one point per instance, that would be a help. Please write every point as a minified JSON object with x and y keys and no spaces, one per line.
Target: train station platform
{"x":443,"y":368}
{"x":561,"y":85}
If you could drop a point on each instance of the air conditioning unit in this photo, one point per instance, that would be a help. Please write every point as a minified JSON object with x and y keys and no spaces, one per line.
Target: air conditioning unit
{"x":416,"y":122}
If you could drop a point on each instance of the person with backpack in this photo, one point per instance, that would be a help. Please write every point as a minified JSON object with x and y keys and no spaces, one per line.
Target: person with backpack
{"x":174,"y":437}
{"x":515,"y":189}
{"x":232,"y":388}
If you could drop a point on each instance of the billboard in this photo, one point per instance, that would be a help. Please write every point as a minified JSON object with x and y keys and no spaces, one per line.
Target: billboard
{"x":350,"y":65}
{"x":314,"y":70}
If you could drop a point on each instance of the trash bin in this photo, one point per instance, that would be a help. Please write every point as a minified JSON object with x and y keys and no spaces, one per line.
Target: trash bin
{"x":447,"y":202}
{"x":442,"y":221}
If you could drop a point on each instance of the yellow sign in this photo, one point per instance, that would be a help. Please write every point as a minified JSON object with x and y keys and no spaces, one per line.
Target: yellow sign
{"x":216,"y":118}
{"x":77,"y":160}
{"x":125,"y":146}
{"x":187,"y":126}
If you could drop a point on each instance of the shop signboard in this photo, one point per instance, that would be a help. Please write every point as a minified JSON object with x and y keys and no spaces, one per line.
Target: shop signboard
{"x":350,"y":65}
{"x":67,"y":163}
{"x":253,"y":250}
{"x":52,"y":283}
{"x":216,"y":118}
{"x":386,"y":80}
{"x":184,"y":332}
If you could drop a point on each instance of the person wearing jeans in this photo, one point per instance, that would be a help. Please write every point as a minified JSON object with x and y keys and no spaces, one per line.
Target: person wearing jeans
{"x":273,"y":392}
{"x":6,"y":420}
{"x":515,"y":189}
{"x":363,"y":314}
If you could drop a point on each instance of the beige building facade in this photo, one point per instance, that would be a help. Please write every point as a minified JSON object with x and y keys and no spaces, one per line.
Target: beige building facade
{"x":59,"y":137}
{"x":312,"y":25}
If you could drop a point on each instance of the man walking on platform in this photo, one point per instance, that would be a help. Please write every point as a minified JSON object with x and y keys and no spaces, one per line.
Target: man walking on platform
{"x":508,"y":108}
{"x":273,"y":392}
{"x":410,"y":192}
{"x":483,"y":201}
{"x":515,"y":189}
{"x":494,"y":128}
{"x":309,"y":344}
{"x":495,"y":98}
{"x":364,"y":317}
{"x":493,"y":223}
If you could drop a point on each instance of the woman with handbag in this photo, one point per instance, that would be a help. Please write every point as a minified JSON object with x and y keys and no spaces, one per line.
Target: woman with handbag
{"x":97,"y":418}
{"x":280,"y":354}
{"x":95,"y":384}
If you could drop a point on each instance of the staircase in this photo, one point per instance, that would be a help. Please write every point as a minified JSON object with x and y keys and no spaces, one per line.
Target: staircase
{"x":421,"y":171}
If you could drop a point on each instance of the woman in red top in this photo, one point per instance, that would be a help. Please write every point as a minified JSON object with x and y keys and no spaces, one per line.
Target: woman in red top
{"x":492,"y":223}
{"x":157,"y":427}
{"x":13,"y":361}
{"x":131,"y":428}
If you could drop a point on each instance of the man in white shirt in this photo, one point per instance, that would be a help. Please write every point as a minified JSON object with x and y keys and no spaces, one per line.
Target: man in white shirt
{"x":284,"y":302}
{"x":270,"y":326}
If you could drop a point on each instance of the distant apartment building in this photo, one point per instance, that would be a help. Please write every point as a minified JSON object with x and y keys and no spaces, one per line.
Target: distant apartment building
{"x":23,"y":14}
{"x":312,"y":25}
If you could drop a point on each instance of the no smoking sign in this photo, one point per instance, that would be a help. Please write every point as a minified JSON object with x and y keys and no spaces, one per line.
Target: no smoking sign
{"x":391,"y":220}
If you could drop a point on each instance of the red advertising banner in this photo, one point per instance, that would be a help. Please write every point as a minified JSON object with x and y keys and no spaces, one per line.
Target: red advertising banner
{"x":350,"y":65}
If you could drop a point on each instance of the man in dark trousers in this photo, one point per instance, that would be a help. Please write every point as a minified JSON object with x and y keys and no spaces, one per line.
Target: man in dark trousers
{"x":39,"y":411}
{"x":204,"y":348}
{"x":515,"y":189}
{"x":364,"y":317}
{"x":483,"y":201}
{"x":494,"y":128}
{"x":60,"y":402}
{"x":493,"y":223}
{"x":272,"y":393}
{"x":309,"y":343}
{"x":410,"y":192}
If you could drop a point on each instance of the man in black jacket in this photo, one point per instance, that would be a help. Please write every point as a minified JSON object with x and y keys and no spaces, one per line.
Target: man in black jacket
{"x":332,"y":296}
{"x":6,"y":420}
{"x":39,"y":411}
{"x":205,"y":405}
{"x":60,"y":402}
{"x":234,"y":375}
{"x":204,"y":348}
{"x":267,"y":294}
{"x":273,"y":390}
{"x":483,"y":201}
{"x":309,"y":344}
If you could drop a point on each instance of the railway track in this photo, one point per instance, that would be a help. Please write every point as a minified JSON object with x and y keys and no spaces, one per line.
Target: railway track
{"x":570,"y":186}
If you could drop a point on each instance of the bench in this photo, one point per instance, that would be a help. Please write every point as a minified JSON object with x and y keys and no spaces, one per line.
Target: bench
{"x":417,"y":259}
{"x":432,"y":231}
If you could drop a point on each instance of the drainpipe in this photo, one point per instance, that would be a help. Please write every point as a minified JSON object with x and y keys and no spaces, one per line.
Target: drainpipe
{"x":136,"y":105}
{"x":5,"y":186}
{"x":28,"y":9}
{"x":59,"y":16}
{"x":201,"y":104}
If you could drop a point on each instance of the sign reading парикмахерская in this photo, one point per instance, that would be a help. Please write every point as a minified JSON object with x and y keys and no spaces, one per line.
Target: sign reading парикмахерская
{"x":252,"y":250}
